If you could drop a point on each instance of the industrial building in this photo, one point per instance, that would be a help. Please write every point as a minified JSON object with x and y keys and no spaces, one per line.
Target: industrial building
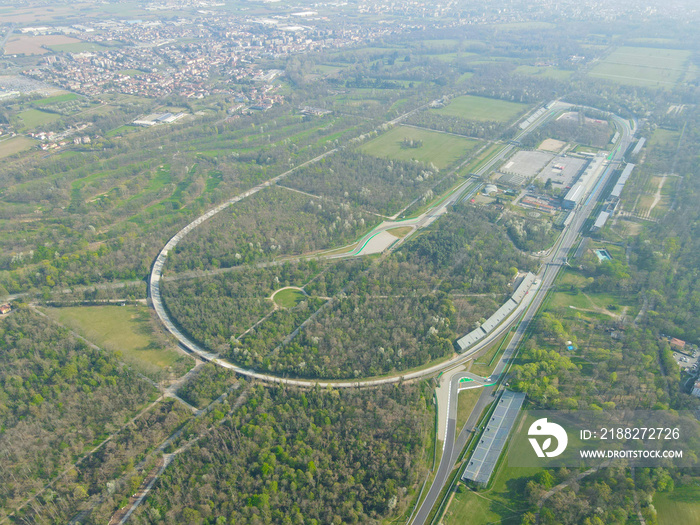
{"x":158,"y":118}
{"x":502,"y":313}
{"x":639,"y":146}
{"x":601,"y":220}
{"x":573,"y":197}
{"x":493,"y":439}
{"x":617,"y":190}
{"x":696,"y":389}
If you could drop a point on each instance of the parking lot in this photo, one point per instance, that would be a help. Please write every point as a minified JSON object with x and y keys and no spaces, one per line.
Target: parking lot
{"x":687,"y":363}
{"x":562,"y":171}
{"x":527,"y":164}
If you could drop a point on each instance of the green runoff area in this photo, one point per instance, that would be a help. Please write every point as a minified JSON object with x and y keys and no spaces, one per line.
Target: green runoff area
{"x":126,"y":330}
{"x":485,"y":363}
{"x":482,"y":108}
{"x":400,"y":232}
{"x":442,"y":149}
{"x":466,"y":401}
{"x":643,"y":66}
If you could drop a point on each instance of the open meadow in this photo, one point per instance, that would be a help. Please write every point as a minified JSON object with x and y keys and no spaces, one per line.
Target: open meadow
{"x":482,"y":108}
{"x":33,"y":118}
{"x":14,"y":145}
{"x":442,"y":149}
{"x":36,"y":45}
{"x":682,"y":505}
{"x":124,"y":329}
{"x":643,"y":66}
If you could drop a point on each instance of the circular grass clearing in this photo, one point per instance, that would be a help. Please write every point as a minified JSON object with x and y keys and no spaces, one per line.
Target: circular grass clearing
{"x":288,"y":297}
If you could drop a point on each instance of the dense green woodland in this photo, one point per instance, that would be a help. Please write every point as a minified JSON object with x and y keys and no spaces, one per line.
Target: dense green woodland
{"x":363,"y":318}
{"x":635,"y":369}
{"x":461,"y":126}
{"x":375,"y":185}
{"x":215,"y":309}
{"x":59,"y":398}
{"x":95,"y":213}
{"x":206,"y":385}
{"x":607,"y":496}
{"x":288,"y":456}
{"x":274,"y":222}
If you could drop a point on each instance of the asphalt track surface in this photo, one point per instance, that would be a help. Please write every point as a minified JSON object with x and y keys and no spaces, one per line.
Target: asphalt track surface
{"x":453,"y":446}
{"x":193,"y":347}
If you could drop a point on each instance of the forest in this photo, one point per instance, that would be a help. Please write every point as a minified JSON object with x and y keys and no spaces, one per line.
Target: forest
{"x":360,"y":318}
{"x":273,"y":223}
{"x":375,"y":185}
{"x":59,"y":398}
{"x":80,"y":430}
{"x":289,"y":456}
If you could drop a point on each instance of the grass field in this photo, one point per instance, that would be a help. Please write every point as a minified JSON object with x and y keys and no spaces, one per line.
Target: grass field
{"x":655,"y":41}
{"x":439,"y":148}
{"x":77,"y":47}
{"x":682,"y":505}
{"x":400,"y":232}
{"x":35,"y":45}
{"x":130,"y":72}
{"x":544,"y":72}
{"x":465,"y":76}
{"x":65,"y":97}
{"x":593,"y":302}
{"x":451,"y":57}
{"x":649,"y":195}
{"x":486,"y":155}
{"x":288,"y":298}
{"x":126,"y":329}
{"x":15,"y":145}
{"x":122,"y":130}
{"x":525,"y":26}
{"x":483,"y":365}
{"x":32,"y":118}
{"x":564,"y":303}
{"x":665,"y":138}
{"x":436,"y":43}
{"x":465,"y":404}
{"x":643,"y":66}
{"x":482,"y":108}
{"x":657,"y":197}
{"x":504,"y":502}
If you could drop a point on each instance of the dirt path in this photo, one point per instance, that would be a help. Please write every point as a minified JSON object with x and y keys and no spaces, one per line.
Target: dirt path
{"x":562,"y":486}
{"x":122,"y":515}
{"x":657,"y":195}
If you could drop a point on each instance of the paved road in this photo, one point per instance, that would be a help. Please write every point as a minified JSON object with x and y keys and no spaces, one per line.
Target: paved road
{"x":364,"y":246}
{"x":157,"y":275}
{"x":556,"y":260}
